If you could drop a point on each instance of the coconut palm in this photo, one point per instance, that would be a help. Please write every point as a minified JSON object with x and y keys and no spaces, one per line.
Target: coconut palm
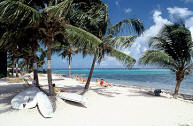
{"x":3,"y":64}
{"x":118,"y":41}
{"x":66,"y":49}
{"x":172,"y":48}
{"x":98,"y":27}
{"x":3,"y":53}
{"x":50,"y":20}
{"x":27,"y":61}
{"x":15,"y":54}
{"x":25,"y":39}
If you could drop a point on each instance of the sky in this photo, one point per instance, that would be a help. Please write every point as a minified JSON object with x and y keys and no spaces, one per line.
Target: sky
{"x":153,"y":13}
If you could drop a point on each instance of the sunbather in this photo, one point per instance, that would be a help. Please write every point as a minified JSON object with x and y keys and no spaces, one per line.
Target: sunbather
{"x":105,"y":84}
{"x":76,"y":77}
{"x":28,"y":77}
{"x":57,"y":90}
{"x":82,"y":79}
{"x":97,"y":80}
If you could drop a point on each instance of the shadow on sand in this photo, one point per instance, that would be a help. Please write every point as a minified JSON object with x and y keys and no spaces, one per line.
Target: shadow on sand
{"x":7,"y":92}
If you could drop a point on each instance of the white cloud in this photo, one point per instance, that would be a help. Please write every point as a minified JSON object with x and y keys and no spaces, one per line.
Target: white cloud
{"x":187,"y":1}
{"x":179,"y":12}
{"x":128,"y":10}
{"x":191,"y":30}
{"x":109,"y":62}
{"x":189,"y":24}
{"x":141,"y":43}
{"x":117,"y":3}
{"x":183,"y":13}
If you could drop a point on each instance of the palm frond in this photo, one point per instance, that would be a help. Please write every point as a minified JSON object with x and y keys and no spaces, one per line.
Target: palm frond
{"x":90,"y":16}
{"x":175,"y":40}
{"x":81,"y":38}
{"x":191,"y":52}
{"x":156,"y":42}
{"x":122,"y":41}
{"x":190,"y":66}
{"x":122,"y":57}
{"x":8,"y":40}
{"x":12,"y":11}
{"x":133,"y":24}
{"x":59,"y":10}
{"x":156,"y":58}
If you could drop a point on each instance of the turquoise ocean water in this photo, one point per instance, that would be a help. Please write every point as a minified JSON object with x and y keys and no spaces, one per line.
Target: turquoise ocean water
{"x":152,"y":78}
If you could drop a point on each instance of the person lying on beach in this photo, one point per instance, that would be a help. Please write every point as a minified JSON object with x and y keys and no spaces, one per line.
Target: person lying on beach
{"x":27,"y":77}
{"x":105,"y":84}
{"x":97,"y":80}
{"x":82,"y":79}
{"x":76,"y":77}
{"x":59,"y":75}
{"x":57,"y":90}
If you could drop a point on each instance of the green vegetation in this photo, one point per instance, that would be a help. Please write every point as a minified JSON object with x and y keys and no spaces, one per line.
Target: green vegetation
{"x":66,"y":27}
{"x":184,"y":125}
{"x":30,"y":31}
{"x":172,"y":49}
{"x":110,"y":41}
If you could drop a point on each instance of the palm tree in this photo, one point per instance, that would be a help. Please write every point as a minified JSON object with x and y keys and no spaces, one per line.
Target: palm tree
{"x":173,"y":50}
{"x":3,"y":64}
{"x":66,"y":49}
{"x":24,"y":40}
{"x":27,"y":61}
{"x":116,"y":42}
{"x":15,"y":54}
{"x":50,"y":20}
{"x":3,"y":53}
{"x":96,"y":23}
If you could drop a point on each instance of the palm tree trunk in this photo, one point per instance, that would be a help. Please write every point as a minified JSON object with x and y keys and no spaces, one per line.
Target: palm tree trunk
{"x":17,"y":68}
{"x":12,"y":67}
{"x":69,"y":61}
{"x":35,"y":71}
{"x":177,"y":88}
{"x":49,"y":72}
{"x":3,"y":64}
{"x":90,"y":74}
{"x":179,"y":79}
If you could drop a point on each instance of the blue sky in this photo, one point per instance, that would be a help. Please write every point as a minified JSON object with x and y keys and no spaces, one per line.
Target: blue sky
{"x":153,"y":13}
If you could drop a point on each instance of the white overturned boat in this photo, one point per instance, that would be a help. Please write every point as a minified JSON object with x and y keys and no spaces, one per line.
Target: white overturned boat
{"x":72,"y":97}
{"x":25,"y":99}
{"x":44,"y":105}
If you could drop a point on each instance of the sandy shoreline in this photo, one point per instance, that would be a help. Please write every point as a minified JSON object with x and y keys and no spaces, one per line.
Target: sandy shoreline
{"x":117,"y":105}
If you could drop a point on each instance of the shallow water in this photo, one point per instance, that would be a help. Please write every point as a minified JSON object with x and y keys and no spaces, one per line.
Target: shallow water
{"x":153,"y":78}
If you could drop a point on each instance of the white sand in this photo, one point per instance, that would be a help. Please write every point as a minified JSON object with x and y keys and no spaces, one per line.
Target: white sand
{"x":112,"y":106}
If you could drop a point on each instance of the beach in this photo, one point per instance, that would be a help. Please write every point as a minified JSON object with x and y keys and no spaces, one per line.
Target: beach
{"x":141,"y":77}
{"x":117,"y":105}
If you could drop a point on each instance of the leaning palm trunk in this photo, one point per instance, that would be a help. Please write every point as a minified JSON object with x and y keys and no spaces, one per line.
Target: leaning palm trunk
{"x":17,"y":75}
{"x":35,"y":71}
{"x":49,"y":72}
{"x":3,"y":64}
{"x":179,"y":79}
{"x":69,"y":62}
{"x":90,"y":74}
{"x":12,"y":72}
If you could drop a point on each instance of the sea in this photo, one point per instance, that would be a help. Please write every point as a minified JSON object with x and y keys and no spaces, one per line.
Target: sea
{"x":150,"y":78}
